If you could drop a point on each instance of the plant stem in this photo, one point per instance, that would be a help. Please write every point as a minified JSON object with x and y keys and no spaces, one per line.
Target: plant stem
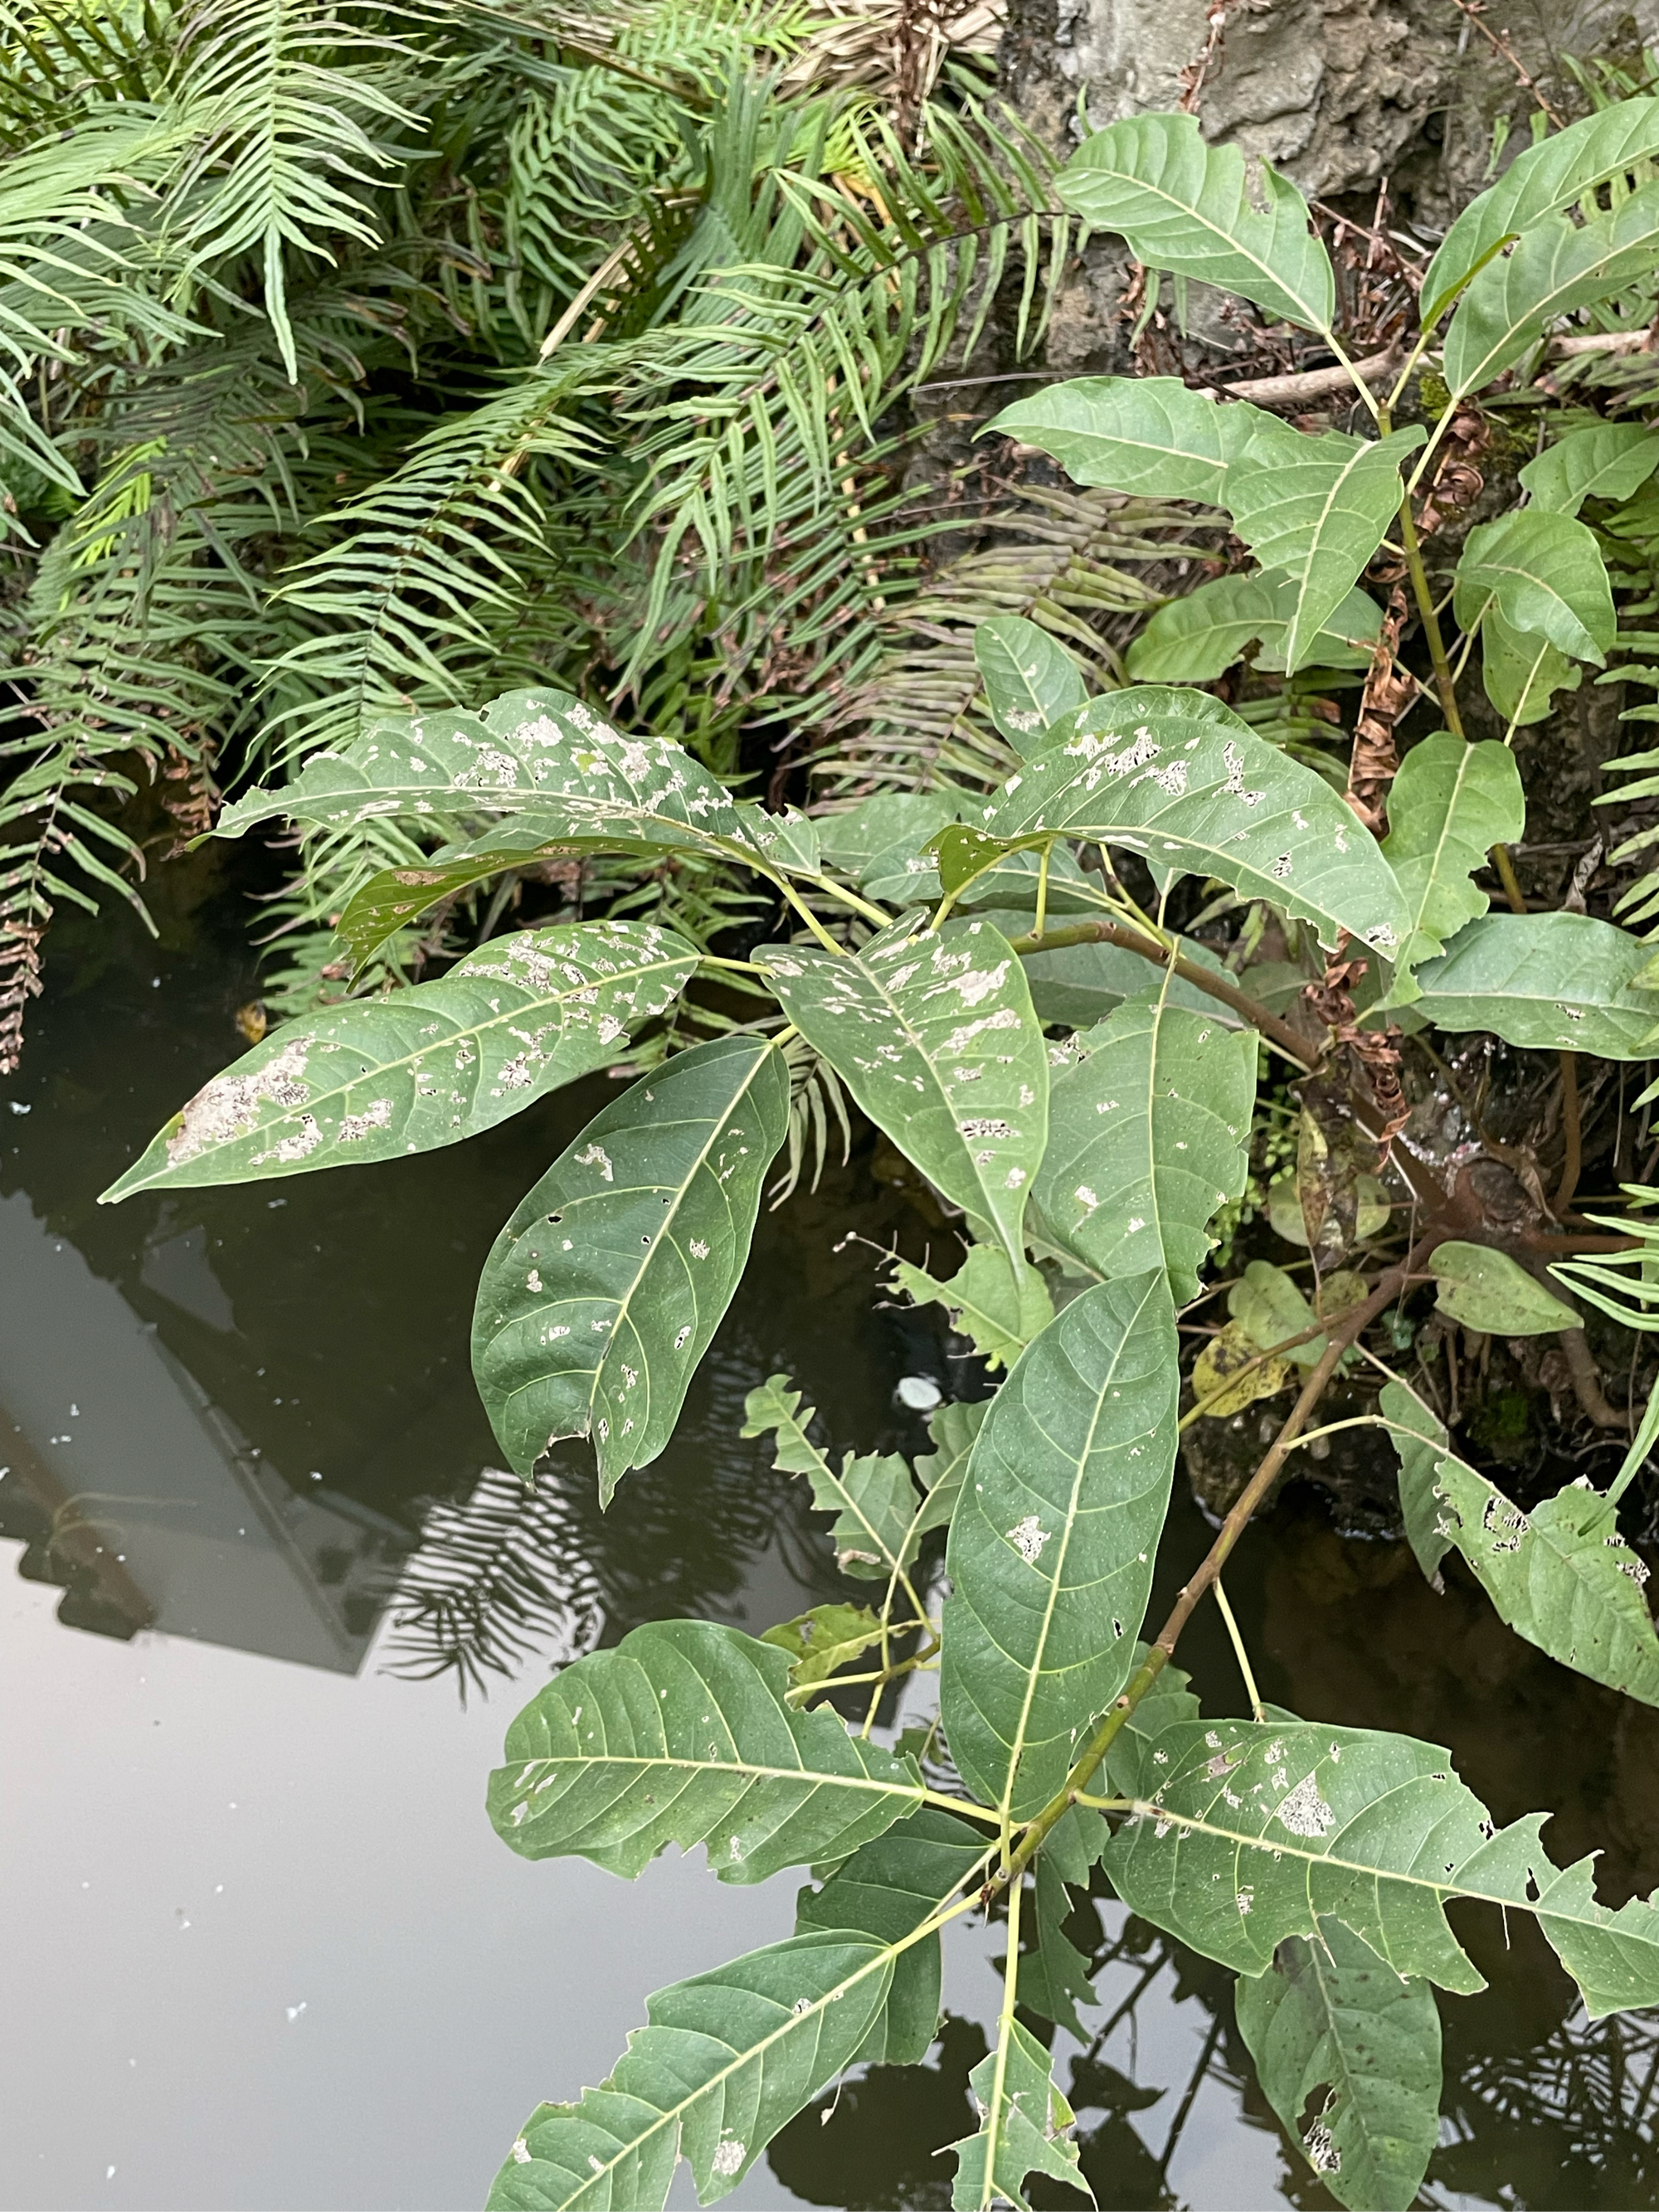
{"x":1288,"y":1040}
{"x":1239,"y":1652}
{"x":1004,"y":2037}
{"x":1429,"y":620}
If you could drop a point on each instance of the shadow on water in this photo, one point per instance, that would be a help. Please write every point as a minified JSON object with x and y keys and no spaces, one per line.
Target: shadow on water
{"x":246,"y":1418}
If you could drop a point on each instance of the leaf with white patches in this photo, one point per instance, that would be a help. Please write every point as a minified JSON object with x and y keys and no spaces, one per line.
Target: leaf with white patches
{"x":603,"y":1290}
{"x":934,"y":1035}
{"x":378,"y":1077}
{"x":1330,"y":2015}
{"x":1548,"y":982}
{"x":1559,"y":1573}
{"x":683,"y":1735}
{"x":1030,"y":680}
{"x":1246,"y":1834}
{"x":1194,"y":791}
{"x":1149,"y":1118}
{"x":1052,"y":1541}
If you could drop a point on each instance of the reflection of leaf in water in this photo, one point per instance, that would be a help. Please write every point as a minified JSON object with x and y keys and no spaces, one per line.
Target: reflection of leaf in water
{"x":494,"y":1581}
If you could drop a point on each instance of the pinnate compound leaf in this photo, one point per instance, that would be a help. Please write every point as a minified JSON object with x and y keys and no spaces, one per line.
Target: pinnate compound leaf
{"x":1199,"y":635}
{"x":823,"y":1640}
{"x":727,"y":2059}
{"x":1553,"y":267}
{"x":1330,"y":2015}
{"x":1449,"y":805}
{"x":1249,"y":1833}
{"x":1541,"y":180}
{"x":873,"y":1498}
{"x":1545,"y":981}
{"x":934,"y":1035}
{"x":1024,"y":2131}
{"x":1194,"y":791}
{"x":378,"y":1077}
{"x":605,"y":1287}
{"x":1608,"y":460}
{"x":1203,"y":211}
{"x":528,"y":752}
{"x":1560,"y":1574}
{"x":999,"y":1311}
{"x":1316,"y":508}
{"x":1153,"y":435}
{"x":1545,"y":574}
{"x":1485,"y":1289}
{"x":1149,"y":1117}
{"x":683,"y":1735}
{"x":1030,"y":680}
{"x":1052,"y":1542}
{"x":885,"y":1890}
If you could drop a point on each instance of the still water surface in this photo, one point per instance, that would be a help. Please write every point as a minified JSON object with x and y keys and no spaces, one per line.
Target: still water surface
{"x":262,"y":1949}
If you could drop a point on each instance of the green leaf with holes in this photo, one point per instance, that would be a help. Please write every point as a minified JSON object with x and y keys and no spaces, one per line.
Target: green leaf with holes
{"x":824,"y":1639}
{"x":1315,"y":509}
{"x":1541,"y":180}
{"x":1554,"y":266}
{"x":1198,"y":637}
{"x":1172,"y":776}
{"x":1030,"y":681}
{"x":379,"y":1078}
{"x":683,"y":1735}
{"x":1051,"y":1545}
{"x":604,"y":1288}
{"x":873,"y":1498}
{"x":1203,"y":211}
{"x":1559,"y":1573}
{"x":1545,"y":575}
{"x":1449,"y":805}
{"x":1149,"y":1120}
{"x":1246,"y":1834}
{"x":1545,"y":982}
{"x":1024,"y":2127}
{"x":1335,"y":2033}
{"x":934,"y":1035}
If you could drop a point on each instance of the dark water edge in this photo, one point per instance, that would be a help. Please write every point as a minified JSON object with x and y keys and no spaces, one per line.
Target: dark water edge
{"x":263,"y":1950}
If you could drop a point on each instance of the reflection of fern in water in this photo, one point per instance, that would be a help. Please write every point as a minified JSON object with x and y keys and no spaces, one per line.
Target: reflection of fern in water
{"x":1584,"y":2097}
{"x":496,"y":1582}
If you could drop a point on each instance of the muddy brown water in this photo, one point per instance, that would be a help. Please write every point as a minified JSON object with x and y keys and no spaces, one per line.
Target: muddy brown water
{"x":262,"y":1949}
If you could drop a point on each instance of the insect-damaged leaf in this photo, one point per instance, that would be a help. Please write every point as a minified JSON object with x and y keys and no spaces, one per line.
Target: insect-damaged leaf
{"x":1316,"y":508}
{"x":1545,"y":574}
{"x":1172,"y":776}
{"x":1560,"y":1574}
{"x":528,"y":752}
{"x":1030,"y":680}
{"x":725,"y":2060}
{"x":1051,"y":1545}
{"x":1449,"y":805}
{"x":1554,"y":266}
{"x":1149,"y":1115}
{"x":1545,"y":981}
{"x":1541,"y":180}
{"x":1054,"y":1976}
{"x":378,"y":1077}
{"x":1199,"y":635}
{"x":1024,"y":2130}
{"x":873,"y":1498}
{"x":1000,"y":1311}
{"x":1153,"y":434}
{"x":683,"y":1735}
{"x":1230,"y":1373}
{"x":1247,"y":1832}
{"x":933,"y":1034}
{"x":885,"y":1889}
{"x":1203,"y":211}
{"x":602,"y":1292}
{"x":1608,"y":460}
{"x":823,"y":1640}
{"x":1330,"y":2016}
